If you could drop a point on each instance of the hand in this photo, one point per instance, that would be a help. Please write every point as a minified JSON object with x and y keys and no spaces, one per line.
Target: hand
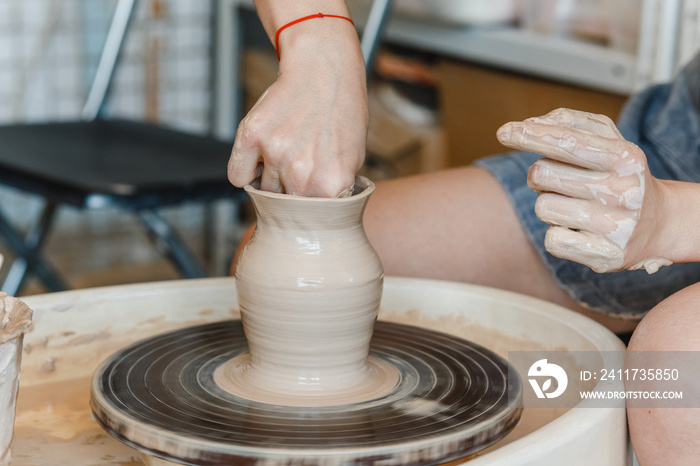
{"x":597,"y":192}
{"x":306,"y":135}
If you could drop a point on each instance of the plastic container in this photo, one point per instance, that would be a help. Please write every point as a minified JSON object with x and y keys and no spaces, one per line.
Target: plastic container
{"x":615,"y":22}
{"x":15,"y":319}
{"x":575,"y":18}
{"x":625,"y":17}
{"x":462,"y":12}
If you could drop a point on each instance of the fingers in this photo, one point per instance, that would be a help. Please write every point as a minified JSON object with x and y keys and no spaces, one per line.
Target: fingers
{"x":547,"y":175}
{"x":593,"y":123}
{"x":607,"y":189}
{"x":592,"y":182}
{"x":312,"y":178}
{"x":347,"y":192}
{"x":300,"y":177}
{"x":584,"y":247}
{"x":563,"y":144}
{"x":270,"y":181}
{"x":245,"y":163}
{"x":558,"y":210}
{"x":341,"y":186}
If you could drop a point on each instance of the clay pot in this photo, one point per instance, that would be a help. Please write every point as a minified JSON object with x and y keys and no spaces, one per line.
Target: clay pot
{"x":309,"y":285}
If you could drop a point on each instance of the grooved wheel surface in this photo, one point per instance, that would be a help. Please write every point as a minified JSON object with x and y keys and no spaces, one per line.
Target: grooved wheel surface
{"x":453,"y":399}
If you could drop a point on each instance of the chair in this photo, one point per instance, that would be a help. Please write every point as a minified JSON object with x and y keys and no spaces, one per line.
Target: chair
{"x":94,"y":163}
{"x":374,"y":30}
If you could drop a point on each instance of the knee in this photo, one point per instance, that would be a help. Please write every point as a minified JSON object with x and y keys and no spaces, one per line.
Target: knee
{"x":672,"y":325}
{"x":667,"y":436}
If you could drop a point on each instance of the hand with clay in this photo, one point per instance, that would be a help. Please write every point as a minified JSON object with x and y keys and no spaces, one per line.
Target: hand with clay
{"x":605,"y":208}
{"x":306,"y":135}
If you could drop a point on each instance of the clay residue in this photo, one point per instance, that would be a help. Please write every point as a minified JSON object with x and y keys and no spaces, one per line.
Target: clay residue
{"x":49,"y":366}
{"x":652,"y":264}
{"x":462,"y":326}
{"x":41,"y":344}
{"x":80,"y":353}
{"x":15,"y":317}
{"x":153,"y":320}
{"x":54,"y":426}
{"x":89,"y":338}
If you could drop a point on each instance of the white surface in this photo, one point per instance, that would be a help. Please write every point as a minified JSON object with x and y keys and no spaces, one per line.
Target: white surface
{"x":76,"y":330}
{"x":10,"y":356}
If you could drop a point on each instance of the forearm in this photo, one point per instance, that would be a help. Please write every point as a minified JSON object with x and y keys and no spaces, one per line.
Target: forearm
{"x":677,"y":235}
{"x":333,"y":37}
{"x":276,"y":13}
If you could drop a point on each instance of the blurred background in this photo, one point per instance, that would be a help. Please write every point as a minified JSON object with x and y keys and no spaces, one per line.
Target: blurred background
{"x":447,"y":75}
{"x":49,"y":50}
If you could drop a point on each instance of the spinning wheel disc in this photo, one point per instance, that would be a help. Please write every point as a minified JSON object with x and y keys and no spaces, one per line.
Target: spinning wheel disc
{"x":453,"y":399}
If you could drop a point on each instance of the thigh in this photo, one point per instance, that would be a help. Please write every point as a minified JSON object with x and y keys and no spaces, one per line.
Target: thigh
{"x":452,"y":225}
{"x":460,"y":225}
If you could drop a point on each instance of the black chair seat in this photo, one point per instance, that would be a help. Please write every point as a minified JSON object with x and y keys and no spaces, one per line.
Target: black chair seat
{"x":114,"y":162}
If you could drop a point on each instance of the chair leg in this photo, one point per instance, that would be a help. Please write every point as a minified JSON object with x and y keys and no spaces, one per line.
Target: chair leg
{"x":223,"y":229}
{"x":27,"y":251}
{"x":170,"y":244}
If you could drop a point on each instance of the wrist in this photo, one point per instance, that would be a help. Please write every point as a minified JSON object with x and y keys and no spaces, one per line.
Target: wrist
{"x":327,"y":40}
{"x":275,"y":16}
{"x":676,"y":225}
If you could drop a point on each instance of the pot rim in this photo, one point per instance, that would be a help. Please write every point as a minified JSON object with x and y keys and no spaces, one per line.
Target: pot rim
{"x":361,"y":182}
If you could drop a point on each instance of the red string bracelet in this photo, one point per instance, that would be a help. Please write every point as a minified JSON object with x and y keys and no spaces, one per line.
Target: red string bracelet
{"x":296,"y":21}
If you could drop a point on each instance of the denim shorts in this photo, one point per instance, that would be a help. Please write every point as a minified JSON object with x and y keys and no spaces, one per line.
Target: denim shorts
{"x":664,"y":121}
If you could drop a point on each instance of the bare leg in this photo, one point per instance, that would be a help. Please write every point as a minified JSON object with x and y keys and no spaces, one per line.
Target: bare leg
{"x":459,"y":225}
{"x":665,"y":436}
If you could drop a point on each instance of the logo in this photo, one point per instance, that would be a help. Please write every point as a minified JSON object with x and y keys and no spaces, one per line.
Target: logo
{"x":541,"y":369}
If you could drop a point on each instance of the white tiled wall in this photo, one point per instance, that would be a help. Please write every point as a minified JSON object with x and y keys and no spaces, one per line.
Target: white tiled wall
{"x":181,"y":57}
{"x":49,"y":49}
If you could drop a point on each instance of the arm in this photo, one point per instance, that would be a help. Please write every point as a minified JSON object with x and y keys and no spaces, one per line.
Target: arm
{"x":605,"y":208}
{"x":306,"y":135}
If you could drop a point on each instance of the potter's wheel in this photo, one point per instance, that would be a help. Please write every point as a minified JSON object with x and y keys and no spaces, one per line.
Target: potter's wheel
{"x":159,"y":395}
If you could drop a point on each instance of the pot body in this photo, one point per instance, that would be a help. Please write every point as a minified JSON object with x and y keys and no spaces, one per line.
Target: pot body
{"x":309,"y":285}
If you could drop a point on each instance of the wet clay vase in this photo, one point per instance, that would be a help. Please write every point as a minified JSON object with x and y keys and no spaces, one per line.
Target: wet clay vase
{"x":309,"y":285}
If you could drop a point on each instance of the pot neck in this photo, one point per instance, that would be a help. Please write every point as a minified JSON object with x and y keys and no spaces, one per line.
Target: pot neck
{"x":284,"y":211}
